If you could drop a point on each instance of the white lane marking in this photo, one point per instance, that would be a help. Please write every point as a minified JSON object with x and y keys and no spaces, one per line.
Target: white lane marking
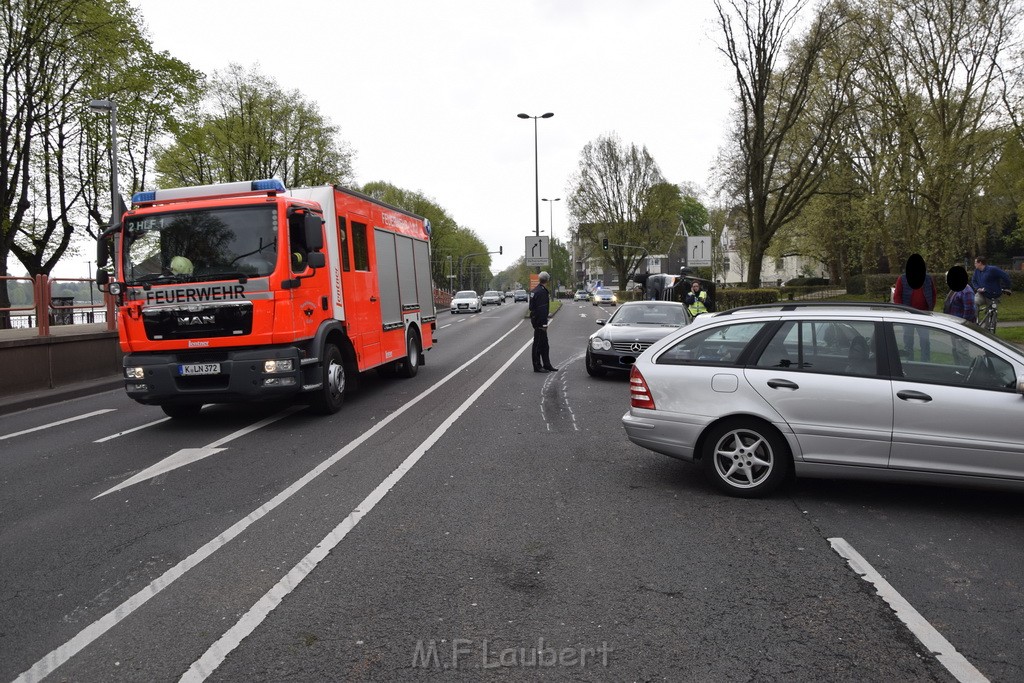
{"x":62,"y":653}
{"x":444,"y":326}
{"x":215,"y":655}
{"x":943,"y":650}
{"x":129,"y":431}
{"x":189,"y":455}
{"x":58,"y":423}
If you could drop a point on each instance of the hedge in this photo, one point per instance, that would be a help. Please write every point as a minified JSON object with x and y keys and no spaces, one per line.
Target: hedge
{"x":732,"y":297}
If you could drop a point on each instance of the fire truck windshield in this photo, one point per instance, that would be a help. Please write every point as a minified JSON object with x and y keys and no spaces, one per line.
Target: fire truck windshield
{"x":198,"y":245}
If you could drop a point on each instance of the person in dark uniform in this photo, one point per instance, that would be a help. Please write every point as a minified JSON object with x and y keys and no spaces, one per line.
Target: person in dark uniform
{"x":539,"y":318}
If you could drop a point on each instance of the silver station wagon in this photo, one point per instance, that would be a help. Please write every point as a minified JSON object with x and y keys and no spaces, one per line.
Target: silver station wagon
{"x":880,"y":391}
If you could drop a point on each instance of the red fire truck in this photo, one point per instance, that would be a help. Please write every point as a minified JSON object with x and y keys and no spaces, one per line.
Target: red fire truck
{"x":246,"y":291}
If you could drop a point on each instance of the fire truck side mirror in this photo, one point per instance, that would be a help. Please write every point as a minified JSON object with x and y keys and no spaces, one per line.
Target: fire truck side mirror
{"x":313,"y":226}
{"x":102,"y":250}
{"x":316,"y":259}
{"x":102,"y":277}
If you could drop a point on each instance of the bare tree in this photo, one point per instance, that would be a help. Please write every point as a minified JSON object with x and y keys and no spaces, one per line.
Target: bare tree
{"x":790,"y":101}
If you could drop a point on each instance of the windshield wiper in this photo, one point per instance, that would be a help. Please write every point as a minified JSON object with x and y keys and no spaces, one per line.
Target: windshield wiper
{"x":157,"y":277}
{"x":226,"y":275}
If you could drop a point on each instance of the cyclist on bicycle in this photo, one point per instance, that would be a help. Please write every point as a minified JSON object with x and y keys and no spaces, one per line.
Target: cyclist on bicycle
{"x":989,"y":283}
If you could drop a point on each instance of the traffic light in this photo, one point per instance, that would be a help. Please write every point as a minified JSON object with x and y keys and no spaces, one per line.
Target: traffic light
{"x":604,"y":244}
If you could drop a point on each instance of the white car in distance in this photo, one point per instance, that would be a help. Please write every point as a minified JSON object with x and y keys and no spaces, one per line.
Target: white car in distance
{"x":466,"y":301}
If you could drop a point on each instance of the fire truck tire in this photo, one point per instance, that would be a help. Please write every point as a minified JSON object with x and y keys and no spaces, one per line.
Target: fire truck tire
{"x":181,"y":412}
{"x":331,"y":395}
{"x":411,"y":365}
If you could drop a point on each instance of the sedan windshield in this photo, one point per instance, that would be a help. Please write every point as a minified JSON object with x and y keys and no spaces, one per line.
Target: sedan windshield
{"x":649,"y":314}
{"x":466,"y":295}
{"x":193,"y":246}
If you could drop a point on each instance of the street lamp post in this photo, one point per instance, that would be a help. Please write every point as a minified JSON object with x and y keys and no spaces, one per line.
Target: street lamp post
{"x":551,"y":215}
{"x":536,"y":175}
{"x":108,"y":106}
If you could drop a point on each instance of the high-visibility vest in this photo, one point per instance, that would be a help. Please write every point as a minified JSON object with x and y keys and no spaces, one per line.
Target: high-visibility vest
{"x":698,"y":307}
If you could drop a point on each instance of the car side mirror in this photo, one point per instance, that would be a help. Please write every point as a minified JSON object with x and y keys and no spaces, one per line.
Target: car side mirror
{"x":1020,"y":384}
{"x":601,"y":321}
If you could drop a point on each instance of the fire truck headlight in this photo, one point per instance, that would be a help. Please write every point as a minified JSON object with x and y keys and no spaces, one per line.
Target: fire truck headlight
{"x":134,"y":373}
{"x":115,"y":288}
{"x":270,"y":366}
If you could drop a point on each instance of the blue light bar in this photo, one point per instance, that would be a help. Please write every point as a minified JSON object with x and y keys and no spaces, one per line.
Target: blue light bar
{"x":265,"y":185}
{"x":140,"y":197}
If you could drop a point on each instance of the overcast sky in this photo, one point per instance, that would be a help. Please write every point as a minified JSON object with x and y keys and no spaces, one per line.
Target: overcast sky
{"x":427,"y":92}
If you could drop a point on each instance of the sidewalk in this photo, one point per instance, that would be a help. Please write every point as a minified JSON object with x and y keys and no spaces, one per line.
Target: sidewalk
{"x":42,"y":397}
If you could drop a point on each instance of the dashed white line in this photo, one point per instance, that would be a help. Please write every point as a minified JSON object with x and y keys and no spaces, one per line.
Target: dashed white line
{"x":129,"y":431}
{"x":62,"y":653}
{"x":189,"y":455}
{"x":943,"y":650}
{"x":58,"y":423}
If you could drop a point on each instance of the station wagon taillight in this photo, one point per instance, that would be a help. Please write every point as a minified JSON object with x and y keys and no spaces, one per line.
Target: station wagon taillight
{"x":639,"y":394}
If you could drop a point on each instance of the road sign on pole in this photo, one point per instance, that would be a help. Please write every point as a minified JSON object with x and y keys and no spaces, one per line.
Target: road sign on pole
{"x":698,"y":251}
{"x":537,"y":252}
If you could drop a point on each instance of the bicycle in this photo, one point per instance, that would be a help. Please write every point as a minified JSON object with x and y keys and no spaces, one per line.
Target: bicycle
{"x":991,"y":317}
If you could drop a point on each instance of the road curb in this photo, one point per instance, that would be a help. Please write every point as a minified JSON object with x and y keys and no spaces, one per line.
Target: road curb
{"x":42,"y":397}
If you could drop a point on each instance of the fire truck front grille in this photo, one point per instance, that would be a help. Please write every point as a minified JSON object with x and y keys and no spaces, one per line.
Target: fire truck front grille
{"x":214,"y":383}
{"x":229,"y":319}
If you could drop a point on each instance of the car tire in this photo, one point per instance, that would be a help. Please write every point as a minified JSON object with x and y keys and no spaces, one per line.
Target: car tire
{"x":746,"y":458}
{"x":331,"y":395}
{"x":410,"y":365}
{"x":592,"y":369}
{"x":182,"y":412}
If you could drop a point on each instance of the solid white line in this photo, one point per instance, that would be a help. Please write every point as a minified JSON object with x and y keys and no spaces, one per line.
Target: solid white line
{"x":58,"y":423}
{"x":943,"y":650}
{"x":129,"y":431}
{"x":60,"y":655}
{"x":215,"y":655}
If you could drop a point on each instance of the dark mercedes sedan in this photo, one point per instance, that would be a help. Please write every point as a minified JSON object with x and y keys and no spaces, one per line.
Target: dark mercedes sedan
{"x":631,"y":329}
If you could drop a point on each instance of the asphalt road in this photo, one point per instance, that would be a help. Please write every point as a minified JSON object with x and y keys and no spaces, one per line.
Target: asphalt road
{"x":477,"y":521}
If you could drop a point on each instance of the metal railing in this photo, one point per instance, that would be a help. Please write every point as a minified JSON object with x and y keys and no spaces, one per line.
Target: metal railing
{"x":47,"y":310}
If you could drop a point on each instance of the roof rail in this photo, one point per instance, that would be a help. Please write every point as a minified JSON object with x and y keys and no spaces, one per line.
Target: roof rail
{"x":794,"y":305}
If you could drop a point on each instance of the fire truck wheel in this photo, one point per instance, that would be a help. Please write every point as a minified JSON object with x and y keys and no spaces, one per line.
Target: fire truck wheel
{"x":180,"y":412}
{"x":411,"y":365}
{"x":331,"y":395}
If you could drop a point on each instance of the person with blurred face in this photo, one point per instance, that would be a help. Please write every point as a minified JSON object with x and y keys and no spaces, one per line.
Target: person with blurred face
{"x":916,"y":288}
{"x":539,"y":301}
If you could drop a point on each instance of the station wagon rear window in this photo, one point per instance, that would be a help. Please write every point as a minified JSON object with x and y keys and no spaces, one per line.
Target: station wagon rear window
{"x":719,"y":345}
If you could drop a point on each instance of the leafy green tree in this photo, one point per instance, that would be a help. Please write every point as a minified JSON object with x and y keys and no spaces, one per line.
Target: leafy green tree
{"x":934,"y":68}
{"x":56,"y":56}
{"x":791,"y":97}
{"x":619,"y":194}
{"x":249,"y":128}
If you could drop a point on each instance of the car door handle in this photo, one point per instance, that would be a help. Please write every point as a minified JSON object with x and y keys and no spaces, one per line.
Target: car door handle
{"x":782,"y":384}
{"x":908,"y":395}
{"x":373,"y":299}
